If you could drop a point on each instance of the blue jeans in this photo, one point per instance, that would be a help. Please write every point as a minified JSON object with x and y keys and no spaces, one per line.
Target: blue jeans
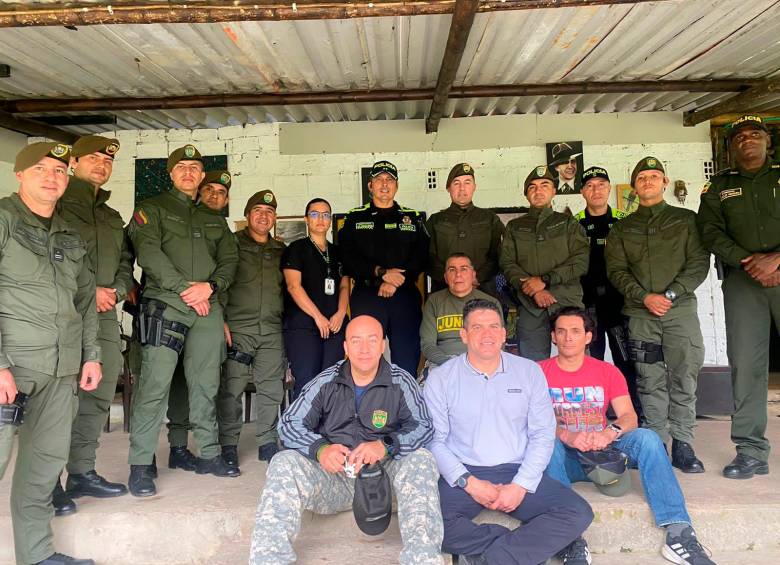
{"x":646,"y":452}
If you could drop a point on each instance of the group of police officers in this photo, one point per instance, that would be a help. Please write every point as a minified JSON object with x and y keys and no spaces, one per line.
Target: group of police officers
{"x":209,"y":307}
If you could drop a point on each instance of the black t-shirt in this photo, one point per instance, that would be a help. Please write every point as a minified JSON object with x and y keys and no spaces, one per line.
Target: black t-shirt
{"x":303,"y":255}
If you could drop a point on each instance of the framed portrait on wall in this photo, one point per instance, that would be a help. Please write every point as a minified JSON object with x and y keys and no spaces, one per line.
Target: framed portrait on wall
{"x":290,"y":228}
{"x":627,"y":200}
{"x":564,"y":158}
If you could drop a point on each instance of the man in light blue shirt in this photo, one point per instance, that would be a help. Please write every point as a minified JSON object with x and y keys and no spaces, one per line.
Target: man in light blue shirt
{"x":494,"y":432}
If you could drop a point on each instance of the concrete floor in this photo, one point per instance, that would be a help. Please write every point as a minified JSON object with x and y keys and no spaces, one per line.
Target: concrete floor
{"x":204,"y":519}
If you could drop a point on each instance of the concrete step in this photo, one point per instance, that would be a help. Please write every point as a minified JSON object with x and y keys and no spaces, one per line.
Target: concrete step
{"x":204,"y":519}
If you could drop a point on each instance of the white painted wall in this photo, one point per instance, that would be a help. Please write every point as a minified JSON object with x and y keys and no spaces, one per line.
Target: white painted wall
{"x":10,"y":144}
{"x":301,"y":161}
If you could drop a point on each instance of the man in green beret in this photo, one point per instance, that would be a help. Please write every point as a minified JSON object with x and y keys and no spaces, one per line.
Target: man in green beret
{"x":188,"y":255}
{"x":464,"y":228}
{"x":739,"y":221}
{"x":101,"y":227}
{"x":253,"y":329}
{"x":48,"y":332}
{"x":213,"y":194}
{"x":656,"y":260}
{"x":543,"y":256}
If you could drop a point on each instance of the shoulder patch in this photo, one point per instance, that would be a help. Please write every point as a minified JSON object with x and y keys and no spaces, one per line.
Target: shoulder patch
{"x":358,"y":208}
{"x":580,"y":215}
{"x":706,"y":187}
{"x":619,"y":214}
{"x":140,"y":217}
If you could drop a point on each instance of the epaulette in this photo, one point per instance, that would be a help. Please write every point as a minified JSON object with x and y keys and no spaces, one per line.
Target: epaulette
{"x":726,"y":171}
{"x":359,"y":208}
{"x":619,"y":214}
{"x":580,"y":215}
{"x":774,"y":166}
{"x":409,"y":210}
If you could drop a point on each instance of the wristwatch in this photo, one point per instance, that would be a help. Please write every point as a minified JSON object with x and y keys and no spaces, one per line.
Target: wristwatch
{"x":387,"y":441}
{"x":615,"y":428}
{"x":463,"y":480}
{"x":213,"y":285}
{"x":545,"y":279}
{"x":670,"y":294}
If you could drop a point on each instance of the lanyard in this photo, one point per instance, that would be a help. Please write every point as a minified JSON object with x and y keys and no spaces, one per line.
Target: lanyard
{"x":325,"y":255}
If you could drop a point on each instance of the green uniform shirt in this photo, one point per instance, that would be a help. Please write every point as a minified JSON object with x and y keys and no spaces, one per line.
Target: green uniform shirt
{"x":546,"y":242}
{"x":655,"y":249}
{"x":102,"y":229}
{"x":47,"y":294}
{"x":739,"y":213}
{"x":474,"y":231}
{"x":255,"y":300}
{"x":441,"y":323}
{"x":177,"y":242}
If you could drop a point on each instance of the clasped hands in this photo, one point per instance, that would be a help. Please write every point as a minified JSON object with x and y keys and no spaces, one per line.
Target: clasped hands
{"x":333,"y":457}
{"x":504,"y":498}
{"x":536,"y":289}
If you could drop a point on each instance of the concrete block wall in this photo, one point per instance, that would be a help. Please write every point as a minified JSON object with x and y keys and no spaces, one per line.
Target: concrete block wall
{"x":259,"y":158}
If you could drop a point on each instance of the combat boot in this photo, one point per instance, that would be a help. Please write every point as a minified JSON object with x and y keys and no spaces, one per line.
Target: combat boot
{"x":216,"y":466}
{"x":63,"y":504}
{"x":92,"y":484}
{"x":140,"y":482}
{"x":230,"y":455}
{"x":181,"y":458}
{"x":684,"y":458}
{"x":267,"y":451}
{"x":62,"y":559}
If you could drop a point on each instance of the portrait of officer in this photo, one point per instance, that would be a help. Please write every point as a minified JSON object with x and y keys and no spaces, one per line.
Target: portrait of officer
{"x":385,"y":248}
{"x":188,"y":255}
{"x":212,"y":195}
{"x":739,"y":221}
{"x":564,"y":163}
{"x":49,"y":332}
{"x":656,"y":260}
{"x":543,"y":255}
{"x":253,"y":330}
{"x":464,"y":228}
{"x":84,"y":206}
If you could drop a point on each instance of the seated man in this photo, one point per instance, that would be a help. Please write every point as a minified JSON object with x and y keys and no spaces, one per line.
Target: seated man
{"x":321,"y":433}
{"x":443,"y":312}
{"x":582,"y":388}
{"x":494,"y":431}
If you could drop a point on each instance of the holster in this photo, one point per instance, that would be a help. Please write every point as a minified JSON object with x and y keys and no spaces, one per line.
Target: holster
{"x":720,"y":268}
{"x":152,"y":325}
{"x":13,"y":414}
{"x":620,"y":333}
{"x":645,"y":352}
{"x":240,"y":356}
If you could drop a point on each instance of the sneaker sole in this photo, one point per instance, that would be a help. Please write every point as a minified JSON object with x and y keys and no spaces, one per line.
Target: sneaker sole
{"x":669,"y":554}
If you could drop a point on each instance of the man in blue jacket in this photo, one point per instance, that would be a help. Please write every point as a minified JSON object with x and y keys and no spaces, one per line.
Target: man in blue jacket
{"x":358,"y":412}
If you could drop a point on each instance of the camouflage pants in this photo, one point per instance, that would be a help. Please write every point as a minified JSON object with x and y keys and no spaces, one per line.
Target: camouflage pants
{"x":295,"y":483}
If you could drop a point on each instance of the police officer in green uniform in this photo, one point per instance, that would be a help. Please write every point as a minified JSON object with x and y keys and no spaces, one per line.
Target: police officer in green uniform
{"x":101,"y":227}
{"x":464,"y":228}
{"x":48,"y":333}
{"x":739,"y":221}
{"x":253,"y":329}
{"x":213,"y":195}
{"x":188,"y":255}
{"x":543,"y":256}
{"x":656,"y":260}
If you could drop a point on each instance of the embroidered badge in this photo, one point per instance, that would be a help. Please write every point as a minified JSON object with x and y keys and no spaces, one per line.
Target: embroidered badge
{"x":189,"y":151}
{"x":268,"y":197}
{"x":706,"y":187}
{"x":730,"y":193}
{"x":140,"y":217}
{"x":59,"y":255}
{"x":111,"y":148}
{"x":59,"y":150}
{"x":466,"y":168}
{"x":652,"y":162}
{"x":406,"y":220}
{"x":224,"y":178}
{"x":541,"y":171}
{"x":364,"y":225}
{"x":379,"y":419}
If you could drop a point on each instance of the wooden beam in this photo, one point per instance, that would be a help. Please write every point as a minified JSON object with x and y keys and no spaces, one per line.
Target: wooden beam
{"x":38,"y":105}
{"x":76,"y":120}
{"x":726,"y":119}
{"x":211,"y":11}
{"x":33,"y":128}
{"x":740,"y":104}
{"x":460,"y":27}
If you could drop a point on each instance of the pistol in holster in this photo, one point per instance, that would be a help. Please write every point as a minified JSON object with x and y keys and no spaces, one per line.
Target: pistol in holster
{"x":152,"y":325}
{"x":13,"y":414}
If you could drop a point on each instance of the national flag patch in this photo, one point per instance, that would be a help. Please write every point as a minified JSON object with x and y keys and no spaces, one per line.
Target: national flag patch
{"x":140,"y":217}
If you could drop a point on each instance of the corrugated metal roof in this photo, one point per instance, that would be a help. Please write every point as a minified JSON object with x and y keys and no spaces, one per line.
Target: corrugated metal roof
{"x":690,"y":39}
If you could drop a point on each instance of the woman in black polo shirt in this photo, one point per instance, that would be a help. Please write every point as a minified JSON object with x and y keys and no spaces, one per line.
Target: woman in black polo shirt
{"x":316,"y":299}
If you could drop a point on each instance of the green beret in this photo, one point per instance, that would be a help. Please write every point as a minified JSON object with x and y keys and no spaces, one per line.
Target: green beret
{"x":540,"y":172}
{"x":95,"y":144}
{"x":186,"y":153}
{"x":217,"y":177}
{"x":745,"y":121}
{"x":264,"y":197}
{"x":647,"y":164}
{"x":34,"y":152}
{"x":459,"y":170}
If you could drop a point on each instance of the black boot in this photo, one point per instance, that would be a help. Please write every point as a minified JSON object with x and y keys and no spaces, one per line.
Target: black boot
{"x":744,"y":467}
{"x":153,"y":467}
{"x":63,"y":504}
{"x":230,"y":455}
{"x":684,"y":458}
{"x":140,"y":482}
{"x":267,"y":451}
{"x":92,"y":484}
{"x":62,"y":559}
{"x":216,"y":466}
{"x":181,"y":458}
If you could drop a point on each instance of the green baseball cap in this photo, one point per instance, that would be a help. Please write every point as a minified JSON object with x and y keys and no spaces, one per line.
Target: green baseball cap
{"x":95,"y":144}
{"x":186,"y":153}
{"x":540,"y":172}
{"x":646,"y":164}
{"x":459,"y":170}
{"x":34,"y":152}
{"x":264,"y":197}
{"x":607,"y":469}
{"x":217,"y":177}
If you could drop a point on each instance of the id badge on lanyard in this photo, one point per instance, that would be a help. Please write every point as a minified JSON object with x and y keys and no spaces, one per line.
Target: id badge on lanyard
{"x":330,"y":286}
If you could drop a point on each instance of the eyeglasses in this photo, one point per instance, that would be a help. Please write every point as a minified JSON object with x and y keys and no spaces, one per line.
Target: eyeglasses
{"x":315,"y":215}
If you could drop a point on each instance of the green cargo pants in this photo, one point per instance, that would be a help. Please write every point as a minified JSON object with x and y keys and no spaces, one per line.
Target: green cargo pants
{"x":7,"y":433}
{"x":534,"y":341}
{"x":178,"y":409}
{"x":201,"y":358}
{"x":750,"y":309}
{"x":267,"y":372}
{"x":94,"y":406}
{"x":44,"y":440}
{"x":667,"y":388}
